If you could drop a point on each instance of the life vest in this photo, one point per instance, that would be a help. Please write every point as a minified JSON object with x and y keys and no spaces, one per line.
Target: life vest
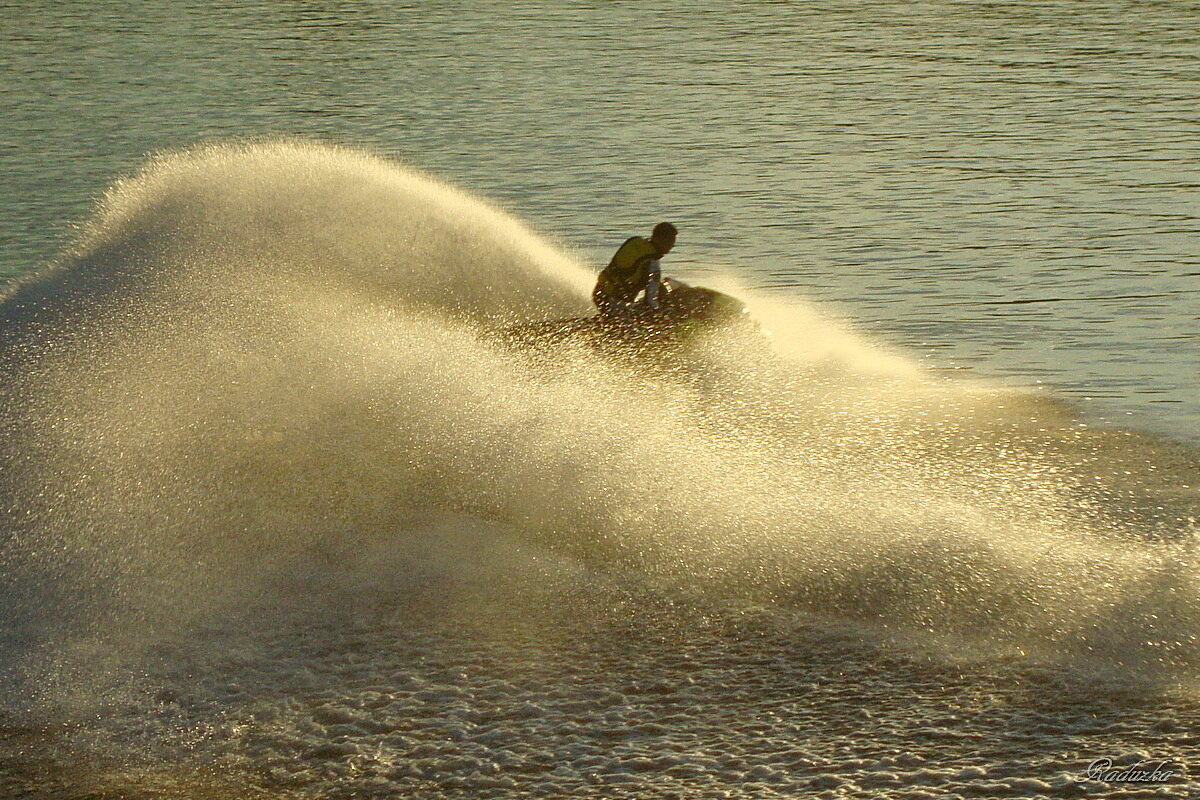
{"x":627,"y":273}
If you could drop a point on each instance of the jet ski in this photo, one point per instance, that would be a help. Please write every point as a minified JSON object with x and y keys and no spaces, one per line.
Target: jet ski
{"x":684,"y":314}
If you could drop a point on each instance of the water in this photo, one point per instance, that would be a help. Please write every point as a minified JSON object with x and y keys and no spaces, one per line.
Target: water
{"x":1008,"y":191}
{"x":280,"y":495}
{"x":285,"y":514}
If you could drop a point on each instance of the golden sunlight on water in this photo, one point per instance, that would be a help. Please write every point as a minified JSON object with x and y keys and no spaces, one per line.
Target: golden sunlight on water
{"x":296,"y":503}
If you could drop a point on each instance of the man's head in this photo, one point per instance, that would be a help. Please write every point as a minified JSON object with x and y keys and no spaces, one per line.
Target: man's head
{"x":663,"y":237}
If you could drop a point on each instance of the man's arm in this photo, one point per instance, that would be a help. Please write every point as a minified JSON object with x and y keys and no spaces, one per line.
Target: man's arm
{"x":653,"y":282}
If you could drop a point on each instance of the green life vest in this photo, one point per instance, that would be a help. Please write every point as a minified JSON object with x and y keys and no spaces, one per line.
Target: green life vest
{"x":627,"y":273}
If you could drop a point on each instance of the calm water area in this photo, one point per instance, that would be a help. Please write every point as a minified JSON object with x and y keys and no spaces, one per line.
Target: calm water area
{"x":1002,"y":190}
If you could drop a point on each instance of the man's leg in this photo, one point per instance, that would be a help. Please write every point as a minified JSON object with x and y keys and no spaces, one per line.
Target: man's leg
{"x":609,"y":306}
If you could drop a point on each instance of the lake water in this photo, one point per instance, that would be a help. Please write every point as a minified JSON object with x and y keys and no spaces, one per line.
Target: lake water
{"x":285,"y":515}
{"x":1007,"y":190}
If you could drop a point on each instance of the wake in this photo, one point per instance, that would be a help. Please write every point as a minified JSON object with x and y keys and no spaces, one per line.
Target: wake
{"x":260,"y":352}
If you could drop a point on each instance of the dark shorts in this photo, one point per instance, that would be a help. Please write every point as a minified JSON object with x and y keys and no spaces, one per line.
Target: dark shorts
{"x":609,"y":303}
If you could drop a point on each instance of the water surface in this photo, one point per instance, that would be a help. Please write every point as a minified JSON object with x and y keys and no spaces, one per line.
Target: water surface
{"x":1009,"y":190}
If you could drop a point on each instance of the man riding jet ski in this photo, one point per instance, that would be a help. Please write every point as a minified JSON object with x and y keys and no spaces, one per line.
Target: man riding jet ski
{"x":633,"y":270}
{"x":638,"y":306}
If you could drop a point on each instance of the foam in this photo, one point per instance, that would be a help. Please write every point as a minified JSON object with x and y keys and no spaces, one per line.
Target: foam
{"x":260,"y":352}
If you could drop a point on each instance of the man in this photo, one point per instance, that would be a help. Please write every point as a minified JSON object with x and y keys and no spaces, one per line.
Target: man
{"x":634,"y":270}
